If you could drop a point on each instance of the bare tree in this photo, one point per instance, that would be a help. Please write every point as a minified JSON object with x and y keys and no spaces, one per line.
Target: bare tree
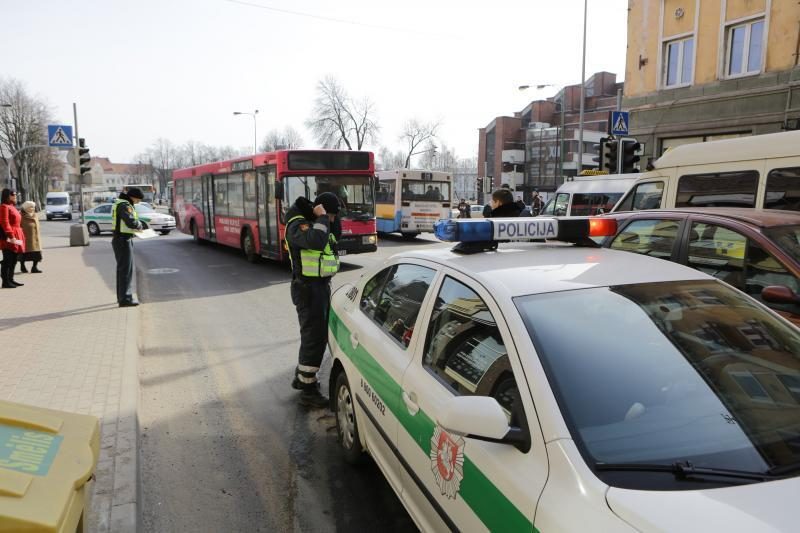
{"x":414,"y":134}
{"x":389,"y":160}
{"x":338,"y":120}
{"x":288,"y":139}
{"x":24,"y":124}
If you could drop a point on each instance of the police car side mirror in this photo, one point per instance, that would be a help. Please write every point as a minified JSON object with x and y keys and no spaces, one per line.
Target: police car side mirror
{"x":479,"y":417}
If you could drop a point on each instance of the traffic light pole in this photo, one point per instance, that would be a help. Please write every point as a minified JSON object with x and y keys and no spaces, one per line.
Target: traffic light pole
{"x":77,"y":160}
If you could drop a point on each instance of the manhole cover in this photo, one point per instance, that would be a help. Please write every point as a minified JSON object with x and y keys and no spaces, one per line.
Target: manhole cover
{"x":162,"y":270}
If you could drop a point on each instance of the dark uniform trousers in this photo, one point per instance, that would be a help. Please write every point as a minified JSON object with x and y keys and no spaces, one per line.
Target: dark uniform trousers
{"x":123,"y":253}
{"x":312,"y":298}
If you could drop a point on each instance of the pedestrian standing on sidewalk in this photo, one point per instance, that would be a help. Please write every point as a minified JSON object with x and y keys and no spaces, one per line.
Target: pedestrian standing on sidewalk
{"x":12,"y":239}
{"x":33,"y":238}
{"x":125,"y":223}
{"x":312,"y":231}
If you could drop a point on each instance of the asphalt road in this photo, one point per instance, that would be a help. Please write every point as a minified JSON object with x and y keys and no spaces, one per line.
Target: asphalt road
{"x":224,"y":445}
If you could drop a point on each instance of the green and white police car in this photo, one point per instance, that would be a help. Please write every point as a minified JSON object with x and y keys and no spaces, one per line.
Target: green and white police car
{"x":556,"y":387}
{"x":98,"y":219}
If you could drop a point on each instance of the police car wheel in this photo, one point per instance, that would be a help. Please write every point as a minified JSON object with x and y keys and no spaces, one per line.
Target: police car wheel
{"x":93,"y":228}
{"x":346,"y":425}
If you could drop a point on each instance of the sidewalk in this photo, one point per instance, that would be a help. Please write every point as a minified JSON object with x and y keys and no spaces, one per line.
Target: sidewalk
{"x":77,"y":351}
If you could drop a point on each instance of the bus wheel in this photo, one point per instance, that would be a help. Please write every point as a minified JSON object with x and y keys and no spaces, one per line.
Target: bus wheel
{"x":410,"y":236}
{"x":249,"y":246}
{"x":195,"y":232}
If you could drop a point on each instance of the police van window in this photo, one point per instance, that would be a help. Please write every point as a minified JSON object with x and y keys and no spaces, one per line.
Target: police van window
{"x":464,"y":348}
{"x":393,"y":298}
{"x":718,"y":189}
{"x":655,"y":237}
{"x":783,"y":191}
{"x":717,"y":251}
{"x":643,"y":196}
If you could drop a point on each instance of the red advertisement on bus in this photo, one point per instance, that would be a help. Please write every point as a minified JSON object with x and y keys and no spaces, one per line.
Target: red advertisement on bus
{"x":243,"y":202}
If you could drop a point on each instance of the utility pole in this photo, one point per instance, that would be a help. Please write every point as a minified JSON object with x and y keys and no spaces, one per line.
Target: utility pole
{"x":77,"y":160}
{"x":583,"y":93}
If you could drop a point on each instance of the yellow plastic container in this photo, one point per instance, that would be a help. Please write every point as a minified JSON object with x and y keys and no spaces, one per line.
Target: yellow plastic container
{"x":47,"y":459}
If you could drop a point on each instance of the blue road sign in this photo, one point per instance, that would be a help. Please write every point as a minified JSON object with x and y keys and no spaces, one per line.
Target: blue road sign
{"x":619,"y":122}
{"x":59,"y":136}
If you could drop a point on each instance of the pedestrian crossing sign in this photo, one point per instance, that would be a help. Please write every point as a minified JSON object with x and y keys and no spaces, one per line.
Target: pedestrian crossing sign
{"x":59,"y":136}
{"x":619,"y":123}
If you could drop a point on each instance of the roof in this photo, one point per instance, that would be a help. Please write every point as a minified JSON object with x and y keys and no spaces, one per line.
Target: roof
{"x":762,"y":218}
{"x":770,"y":146}
{"x":517,"y":269}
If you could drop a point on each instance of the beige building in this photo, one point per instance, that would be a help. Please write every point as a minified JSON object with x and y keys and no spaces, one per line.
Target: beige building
{"x":699,"y":70}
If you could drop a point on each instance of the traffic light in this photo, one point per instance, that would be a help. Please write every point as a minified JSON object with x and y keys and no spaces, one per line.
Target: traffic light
{"x":600,"y":148}
{"x":83,"y":157}
{"x":479,"y":188}
{"x":610,"y":155}
{"x":630,"y":155}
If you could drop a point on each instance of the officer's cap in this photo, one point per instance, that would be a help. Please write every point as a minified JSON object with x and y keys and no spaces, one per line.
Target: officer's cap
{"x":329,"y":201}
{"x":135,"y":192}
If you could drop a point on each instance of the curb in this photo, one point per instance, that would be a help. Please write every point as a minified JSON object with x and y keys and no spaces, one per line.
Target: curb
{"x":125,"y":499}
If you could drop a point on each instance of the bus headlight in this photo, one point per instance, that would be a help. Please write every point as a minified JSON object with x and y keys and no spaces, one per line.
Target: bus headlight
{"x":369,"y":239}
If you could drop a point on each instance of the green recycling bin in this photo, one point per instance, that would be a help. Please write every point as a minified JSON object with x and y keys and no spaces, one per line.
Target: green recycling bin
{"x":47,"y":460}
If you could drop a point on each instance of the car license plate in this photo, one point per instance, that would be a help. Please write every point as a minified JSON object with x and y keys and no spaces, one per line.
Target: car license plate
{"x":342,"y":252}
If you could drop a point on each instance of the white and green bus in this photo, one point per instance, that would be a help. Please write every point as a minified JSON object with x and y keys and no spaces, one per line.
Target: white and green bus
{"x":409,"y":202}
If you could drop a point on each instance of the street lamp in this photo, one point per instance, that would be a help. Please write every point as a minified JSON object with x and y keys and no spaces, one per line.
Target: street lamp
{"x":255,"y":134}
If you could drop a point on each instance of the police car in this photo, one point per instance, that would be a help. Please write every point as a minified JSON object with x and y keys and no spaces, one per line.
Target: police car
{"x":98,"y":219}
{"x":555,"y":387}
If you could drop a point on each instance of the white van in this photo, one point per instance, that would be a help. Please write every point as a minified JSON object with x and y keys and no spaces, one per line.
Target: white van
{"x":758,"y":171}
{"x":57,"y":206}
{"x":589,"y":195}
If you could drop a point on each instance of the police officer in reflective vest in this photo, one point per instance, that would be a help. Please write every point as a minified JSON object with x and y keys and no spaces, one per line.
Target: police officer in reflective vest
{"x":125,"y":222}
{"x":312,"y":231}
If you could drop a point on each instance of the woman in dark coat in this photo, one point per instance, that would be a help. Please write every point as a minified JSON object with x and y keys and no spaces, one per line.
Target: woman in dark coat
{"x":13,"y":240}
{"x":33,"y":239}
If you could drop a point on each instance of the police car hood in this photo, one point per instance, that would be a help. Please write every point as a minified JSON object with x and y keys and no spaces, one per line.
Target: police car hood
{"x":764,"y":507}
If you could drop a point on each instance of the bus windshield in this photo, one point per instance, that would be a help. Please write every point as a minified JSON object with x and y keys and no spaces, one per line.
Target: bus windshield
{"x":426,"y":191}
{"x":354,"y":192}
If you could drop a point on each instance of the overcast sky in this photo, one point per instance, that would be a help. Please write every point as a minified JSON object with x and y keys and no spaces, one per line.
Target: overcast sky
{"x":177,"y":69}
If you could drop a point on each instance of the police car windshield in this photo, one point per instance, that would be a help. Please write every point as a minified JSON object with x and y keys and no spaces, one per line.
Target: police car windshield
{"x":675,"y":371}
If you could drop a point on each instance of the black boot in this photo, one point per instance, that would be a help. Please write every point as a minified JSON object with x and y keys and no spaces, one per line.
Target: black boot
{"x":35,"y":269}
{"x":22,"y":267}
{"x":313,"y":398}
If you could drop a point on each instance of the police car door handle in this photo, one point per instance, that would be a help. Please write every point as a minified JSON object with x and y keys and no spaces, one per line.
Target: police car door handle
{"x":354,"y":340}
{"x":411,"y":402}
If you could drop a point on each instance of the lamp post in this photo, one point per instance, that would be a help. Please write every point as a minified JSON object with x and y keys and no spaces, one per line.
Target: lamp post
{"x":579,"y":166}
{"x":255,"y":134}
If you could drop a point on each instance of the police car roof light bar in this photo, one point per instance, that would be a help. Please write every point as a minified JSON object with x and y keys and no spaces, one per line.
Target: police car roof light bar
{"x":474,"y":236}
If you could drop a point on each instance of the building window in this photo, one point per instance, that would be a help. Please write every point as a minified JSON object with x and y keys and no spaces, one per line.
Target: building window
{"x":678,"y":64}
{"x":745,"y":45}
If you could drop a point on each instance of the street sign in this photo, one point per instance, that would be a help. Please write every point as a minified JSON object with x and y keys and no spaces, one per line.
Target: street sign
{"x":619,"y":123}
{"x":59,"y":136}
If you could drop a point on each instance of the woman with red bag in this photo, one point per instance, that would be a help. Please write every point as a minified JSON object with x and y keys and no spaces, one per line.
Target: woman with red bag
{"x":12,"y":241}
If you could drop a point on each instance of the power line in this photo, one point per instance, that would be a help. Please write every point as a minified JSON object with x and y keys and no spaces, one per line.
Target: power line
{"x":333,"y":19}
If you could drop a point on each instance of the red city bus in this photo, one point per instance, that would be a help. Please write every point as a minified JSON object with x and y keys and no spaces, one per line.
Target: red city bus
{"x":243,"y":202}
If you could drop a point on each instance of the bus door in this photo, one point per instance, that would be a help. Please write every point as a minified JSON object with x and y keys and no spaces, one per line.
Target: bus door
{"x":208,"y":206}
{"x":267,"y":214}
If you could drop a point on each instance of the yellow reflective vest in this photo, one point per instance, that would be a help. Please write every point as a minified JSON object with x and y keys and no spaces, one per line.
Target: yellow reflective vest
{"x":123,"y":228}
{"x":315,"y":263}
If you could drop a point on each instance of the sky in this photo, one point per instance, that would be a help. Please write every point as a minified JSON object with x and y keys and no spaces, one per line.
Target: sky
{"x":178,"y":69}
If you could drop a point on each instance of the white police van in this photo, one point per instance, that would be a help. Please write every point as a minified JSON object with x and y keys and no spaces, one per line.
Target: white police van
{"x":555,"y":387}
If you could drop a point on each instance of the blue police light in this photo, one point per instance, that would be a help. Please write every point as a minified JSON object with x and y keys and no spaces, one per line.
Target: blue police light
{"x":497,"y":229}
{"x":483,"y":235}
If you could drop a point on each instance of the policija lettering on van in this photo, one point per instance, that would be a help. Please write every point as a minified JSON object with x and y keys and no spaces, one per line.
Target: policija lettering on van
{"x":371,"y":394}
{"x":31,"y":452}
